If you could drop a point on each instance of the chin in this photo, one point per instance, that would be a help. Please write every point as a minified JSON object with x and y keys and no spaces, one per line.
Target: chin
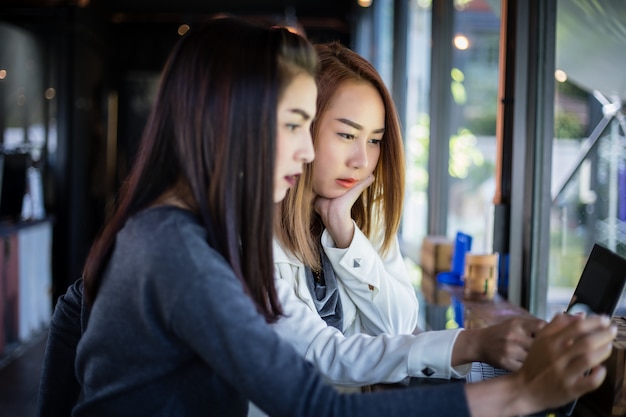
{"x":279,"y":196}
{"x":332,"y":194}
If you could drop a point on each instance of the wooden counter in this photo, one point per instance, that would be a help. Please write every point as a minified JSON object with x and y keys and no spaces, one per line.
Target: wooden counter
{"x":607,"y":401}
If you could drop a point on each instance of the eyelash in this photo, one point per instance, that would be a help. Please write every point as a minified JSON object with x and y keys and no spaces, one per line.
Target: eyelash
{"x":292,"y":127}
{"x":349,"y":136}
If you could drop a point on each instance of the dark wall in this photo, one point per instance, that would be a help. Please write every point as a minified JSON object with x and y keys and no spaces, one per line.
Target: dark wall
{"x":103,"y":66}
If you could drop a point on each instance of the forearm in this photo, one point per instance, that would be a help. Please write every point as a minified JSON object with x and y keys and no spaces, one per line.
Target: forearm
{"x":357,"y":360}
{"x":361,"y":359}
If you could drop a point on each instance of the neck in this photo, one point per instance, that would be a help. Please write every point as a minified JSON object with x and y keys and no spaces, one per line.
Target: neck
{"x":173,"y":196}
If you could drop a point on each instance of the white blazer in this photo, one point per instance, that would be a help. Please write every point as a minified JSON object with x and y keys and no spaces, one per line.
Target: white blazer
{"x":379,"y":316}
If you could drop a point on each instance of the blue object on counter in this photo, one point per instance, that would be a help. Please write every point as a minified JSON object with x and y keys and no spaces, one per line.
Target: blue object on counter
{"x":503,"y":275}
{"x":450,"y":278}
{"x":462,"y":245}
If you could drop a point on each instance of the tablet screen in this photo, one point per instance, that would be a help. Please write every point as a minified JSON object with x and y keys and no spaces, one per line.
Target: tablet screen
{"x":602,"y":281}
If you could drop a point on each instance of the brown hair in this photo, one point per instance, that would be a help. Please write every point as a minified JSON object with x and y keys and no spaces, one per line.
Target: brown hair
{"x":213,"y":130}
{"x":374,"y":212}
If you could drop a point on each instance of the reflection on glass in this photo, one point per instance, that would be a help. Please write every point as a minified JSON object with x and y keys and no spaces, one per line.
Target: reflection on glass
{"x":589,"y":208}
{"x":474,"y":86}
{"x":23,"y":125}
{"x":417,"y":122}
{"x":589,"y":148}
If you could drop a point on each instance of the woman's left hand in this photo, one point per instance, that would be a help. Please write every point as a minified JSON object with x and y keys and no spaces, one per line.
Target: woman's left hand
{"x":503,"y":345}
{"x":506,"y":344}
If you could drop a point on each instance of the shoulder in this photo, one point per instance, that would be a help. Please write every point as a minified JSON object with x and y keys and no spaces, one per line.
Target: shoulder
{"x":281,"y":256}
{"x":169,"y":241}
{"x":165,"y":228}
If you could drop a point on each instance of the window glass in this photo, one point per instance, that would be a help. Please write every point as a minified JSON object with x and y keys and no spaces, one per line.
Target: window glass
{"x":417,"y":122}
{"x":25,"y":124}
{"x":472,"y":146}
{"x":474,"y":86}
{"x":589,"y":147}
{"x":374,"y":37}
{"x":21,"y":91}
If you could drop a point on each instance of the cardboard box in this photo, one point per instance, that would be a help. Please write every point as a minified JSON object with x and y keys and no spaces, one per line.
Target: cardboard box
{"x":436,"y":255}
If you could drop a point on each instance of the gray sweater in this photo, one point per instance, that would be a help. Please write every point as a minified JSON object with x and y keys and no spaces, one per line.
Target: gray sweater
{"x":172,"y":333}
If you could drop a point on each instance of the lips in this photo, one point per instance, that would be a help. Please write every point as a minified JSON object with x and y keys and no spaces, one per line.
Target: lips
{"x":292,"y":179}
{"x":346,"y":182}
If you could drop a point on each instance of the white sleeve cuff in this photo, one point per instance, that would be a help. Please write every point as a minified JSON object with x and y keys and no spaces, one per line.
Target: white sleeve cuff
{"x":431,"y":355}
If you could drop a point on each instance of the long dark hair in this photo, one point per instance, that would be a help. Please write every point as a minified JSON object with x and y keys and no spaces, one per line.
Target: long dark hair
{"x":213,"y":131}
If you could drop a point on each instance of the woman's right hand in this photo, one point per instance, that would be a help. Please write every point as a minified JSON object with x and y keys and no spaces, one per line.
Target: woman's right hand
{"x":564,"y":361}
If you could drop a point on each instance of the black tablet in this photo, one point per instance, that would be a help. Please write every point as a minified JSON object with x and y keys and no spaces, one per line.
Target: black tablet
{"x":601,"y":284}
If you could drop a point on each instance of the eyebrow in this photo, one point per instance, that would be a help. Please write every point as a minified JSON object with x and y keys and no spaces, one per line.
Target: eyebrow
{"x":358,"y":126}
{"x":305,"y":115}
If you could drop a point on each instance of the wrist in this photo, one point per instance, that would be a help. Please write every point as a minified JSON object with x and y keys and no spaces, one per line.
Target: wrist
{"x":342,"y":235}
{"x":520,"y":399}
{"x":496,"y":397}
{"x":466,"y":348}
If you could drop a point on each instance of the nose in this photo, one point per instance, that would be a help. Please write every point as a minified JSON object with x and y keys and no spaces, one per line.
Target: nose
{"x":358,"y":157}
{"x":307,"y":152}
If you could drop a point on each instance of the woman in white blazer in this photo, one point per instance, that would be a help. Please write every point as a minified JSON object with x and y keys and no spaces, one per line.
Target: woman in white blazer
{"x":350,"y":306}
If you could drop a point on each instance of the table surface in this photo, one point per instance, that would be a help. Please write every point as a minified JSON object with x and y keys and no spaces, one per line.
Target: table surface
{"x":477,"y":314}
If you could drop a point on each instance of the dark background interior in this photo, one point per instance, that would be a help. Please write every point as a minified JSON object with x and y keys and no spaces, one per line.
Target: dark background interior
{"x":92,"y":50}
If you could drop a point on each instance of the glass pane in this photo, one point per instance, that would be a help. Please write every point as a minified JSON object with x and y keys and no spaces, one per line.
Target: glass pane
{"x":23,"y":124}
{"x":383,"y":33}
{"x":474,"y":86}
{"x":21,"y":91}
{"x":589,"y":148}
{"x":417,"y":123}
